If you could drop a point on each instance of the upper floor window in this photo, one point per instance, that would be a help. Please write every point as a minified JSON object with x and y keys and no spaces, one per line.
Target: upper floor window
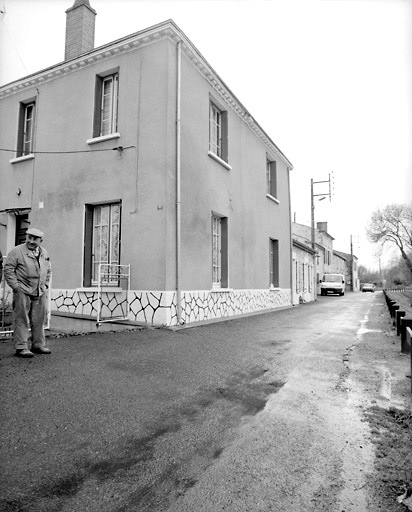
{"x":218,"y":132}
{"x":25,"y":136}
{"x":106,"y":104}
{"x":271,"y":178}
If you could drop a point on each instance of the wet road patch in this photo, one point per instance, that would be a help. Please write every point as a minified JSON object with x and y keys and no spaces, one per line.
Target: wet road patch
{"x":248,"y":390}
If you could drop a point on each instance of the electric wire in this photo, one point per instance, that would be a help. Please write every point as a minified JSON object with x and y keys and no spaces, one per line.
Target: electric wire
{"x":117,"y":148}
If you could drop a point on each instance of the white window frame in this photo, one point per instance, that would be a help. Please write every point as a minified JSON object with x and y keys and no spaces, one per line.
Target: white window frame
{"x":215,"y":130}
{"x":109,"y":105}
{"x":220,"y":252}
{"x":28,"y":129}
{"x":111,"y":249}
{"x":218,"y":134}
{"x":273,"y":263}
{"x":271,"y":178}
{"x":216,"y":251}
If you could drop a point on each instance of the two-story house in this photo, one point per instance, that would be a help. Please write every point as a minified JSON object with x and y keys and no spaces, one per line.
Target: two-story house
{"x":162,"y":199}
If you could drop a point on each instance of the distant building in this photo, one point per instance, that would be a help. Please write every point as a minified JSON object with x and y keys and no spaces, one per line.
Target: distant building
{"x":338,"y":264}
{"x":303,"y":289}
{"x":351,"y":270}
{"x":328,"y":260}
{"x":323,"y":247}
{"x":137,"y":153}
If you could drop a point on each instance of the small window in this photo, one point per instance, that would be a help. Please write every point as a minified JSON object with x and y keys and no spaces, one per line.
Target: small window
{"x":106,"y":105}
{"x":297,"y":276}
{"x":219,"y":252}
{"x":271,"y":178}
{"x":218,"y":132}
{"x":102,"y":242}
{"x":310,"y":278}
{"x":274,"y":263}
{"x":26,"y":129}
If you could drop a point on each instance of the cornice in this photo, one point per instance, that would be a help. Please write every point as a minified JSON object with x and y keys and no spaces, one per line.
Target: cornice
{"x":167,"y":29}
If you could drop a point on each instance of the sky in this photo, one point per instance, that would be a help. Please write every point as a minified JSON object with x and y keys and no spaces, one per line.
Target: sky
{"x":329,"y":81}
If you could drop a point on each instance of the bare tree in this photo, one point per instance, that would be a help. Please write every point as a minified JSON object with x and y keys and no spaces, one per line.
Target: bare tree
{"x":393,"y":224}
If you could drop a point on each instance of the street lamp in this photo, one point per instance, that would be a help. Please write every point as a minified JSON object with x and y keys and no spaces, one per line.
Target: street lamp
{"x":312,"y":222}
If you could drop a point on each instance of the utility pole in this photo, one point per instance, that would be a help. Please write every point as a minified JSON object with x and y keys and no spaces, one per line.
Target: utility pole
{"x":312,"y":219}
{"x":352,"y":261}
{"x":351,"y":264}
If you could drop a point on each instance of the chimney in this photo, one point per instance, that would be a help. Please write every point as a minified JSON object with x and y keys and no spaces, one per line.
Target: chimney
{"x":322,"y":226}
{"x":80,"y":22}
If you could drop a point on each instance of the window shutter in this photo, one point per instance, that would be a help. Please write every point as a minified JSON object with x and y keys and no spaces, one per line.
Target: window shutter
{"x":224,"y":135}
{"x":224,"y":253}
{"x":274,"y":184}
{"x":20,"y":135}
{"x":276,"y":263}
{"x":97,"y":107}
{"x":88,"y":237}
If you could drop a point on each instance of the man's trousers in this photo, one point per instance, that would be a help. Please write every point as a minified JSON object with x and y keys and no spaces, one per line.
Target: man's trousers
{"x":28,"y":312}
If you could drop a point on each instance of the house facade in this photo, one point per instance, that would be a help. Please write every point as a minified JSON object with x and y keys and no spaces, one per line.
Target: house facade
{"x":349,"y":269}
{"x":162,"y":199}
{"x":328,"y":260}
{"x":303,"y":268}
{"x":323,"y":247}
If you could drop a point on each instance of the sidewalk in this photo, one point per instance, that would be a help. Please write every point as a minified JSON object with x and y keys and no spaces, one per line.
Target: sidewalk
{"x":76,"y":324}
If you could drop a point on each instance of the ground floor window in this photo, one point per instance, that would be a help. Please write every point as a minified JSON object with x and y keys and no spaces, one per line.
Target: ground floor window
{"x":274,"y":263}
{"x":310,"y":278}
{"x":102,"y":243}
{"x":219,"y":252}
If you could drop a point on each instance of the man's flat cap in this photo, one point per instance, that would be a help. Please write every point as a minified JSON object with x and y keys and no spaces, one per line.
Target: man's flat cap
{"x":35,"y":232}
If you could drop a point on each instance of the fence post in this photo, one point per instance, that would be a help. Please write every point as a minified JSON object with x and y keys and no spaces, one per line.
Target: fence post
{"x":405,"y":322}
{"x":398,"y":315}
{"x":409,"y":343}
{"x":395,"y":308}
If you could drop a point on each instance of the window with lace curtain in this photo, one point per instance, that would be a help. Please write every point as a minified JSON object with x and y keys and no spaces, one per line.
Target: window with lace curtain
{"x":102,"y":243}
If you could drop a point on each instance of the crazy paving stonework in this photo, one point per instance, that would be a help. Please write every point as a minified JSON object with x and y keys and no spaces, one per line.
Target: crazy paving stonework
{"x":160,"y":307}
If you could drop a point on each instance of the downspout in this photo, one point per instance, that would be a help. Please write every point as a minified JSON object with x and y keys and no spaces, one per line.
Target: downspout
{"x":291,"y":240}
{"x":178,"y":178}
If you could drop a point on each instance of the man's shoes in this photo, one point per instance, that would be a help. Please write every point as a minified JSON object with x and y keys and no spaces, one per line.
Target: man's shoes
{"x":23,"y":352}
{"x":41,"y":350}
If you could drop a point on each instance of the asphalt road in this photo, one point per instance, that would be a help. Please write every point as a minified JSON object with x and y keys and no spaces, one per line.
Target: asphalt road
{"x":255,"y":414}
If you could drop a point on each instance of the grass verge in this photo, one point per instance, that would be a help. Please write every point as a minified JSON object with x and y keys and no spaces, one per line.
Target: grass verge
{"x":391,"y":431}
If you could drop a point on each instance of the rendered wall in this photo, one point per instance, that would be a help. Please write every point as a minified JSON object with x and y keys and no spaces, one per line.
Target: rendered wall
{"x":238,"y":194}
{"x":57,"y":185}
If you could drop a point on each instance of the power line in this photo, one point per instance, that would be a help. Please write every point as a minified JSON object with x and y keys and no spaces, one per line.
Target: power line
{"x":117,"y":148}
{"x":3,"y":12}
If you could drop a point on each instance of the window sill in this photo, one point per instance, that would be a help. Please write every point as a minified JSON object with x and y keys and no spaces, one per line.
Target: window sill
{"x":221,"y":290}
{"x":274,"y":289}
{"x":94,"y":289}
{"x":21,"y":158}
{"x":220,"y":161}
{"x":96,"y":140}
{"x":273,"y":198}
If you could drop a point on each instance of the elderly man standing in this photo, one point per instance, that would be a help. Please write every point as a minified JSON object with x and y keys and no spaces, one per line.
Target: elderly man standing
{"x":27,"y":271}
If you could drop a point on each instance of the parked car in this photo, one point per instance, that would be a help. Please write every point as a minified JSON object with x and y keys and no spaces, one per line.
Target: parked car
{"x":333,"y":283}
{"x":368,"y":287}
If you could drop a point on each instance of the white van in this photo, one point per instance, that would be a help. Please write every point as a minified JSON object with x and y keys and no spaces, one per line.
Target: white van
{"x":333,"y":283}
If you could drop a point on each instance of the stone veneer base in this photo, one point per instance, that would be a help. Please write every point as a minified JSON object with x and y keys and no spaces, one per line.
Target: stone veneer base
{"x":159,"y":307}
